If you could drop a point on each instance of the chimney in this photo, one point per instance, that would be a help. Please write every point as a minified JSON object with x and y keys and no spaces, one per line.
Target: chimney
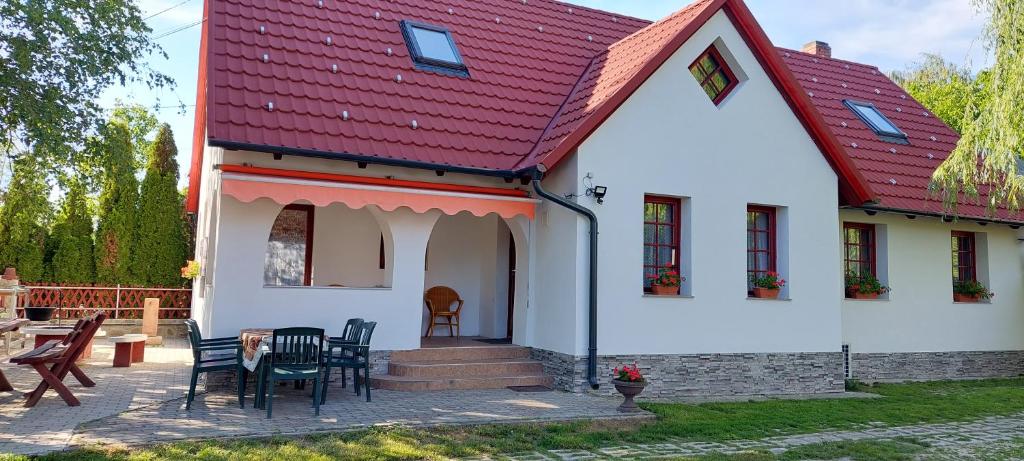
{"x":818,"y":48}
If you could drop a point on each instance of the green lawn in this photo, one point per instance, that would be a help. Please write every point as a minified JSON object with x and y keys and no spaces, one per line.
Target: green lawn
{"x":902,"y":404}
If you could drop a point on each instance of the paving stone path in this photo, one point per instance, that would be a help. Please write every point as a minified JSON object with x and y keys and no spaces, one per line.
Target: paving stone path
{"x":50,"y":425}
{"x":940,"y":436}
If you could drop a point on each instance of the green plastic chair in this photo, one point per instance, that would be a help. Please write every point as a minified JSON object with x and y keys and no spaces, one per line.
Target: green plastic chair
{"x":350,"y":355}
{"x":296,"y":355}
{"x":214,"y":354}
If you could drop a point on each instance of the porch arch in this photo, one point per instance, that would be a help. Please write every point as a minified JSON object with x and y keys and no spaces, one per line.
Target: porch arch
{"x":329,"y":246}
{"x":474,"y":256}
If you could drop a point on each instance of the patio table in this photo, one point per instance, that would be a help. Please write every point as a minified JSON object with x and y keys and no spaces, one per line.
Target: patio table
{"x":256,"y":343}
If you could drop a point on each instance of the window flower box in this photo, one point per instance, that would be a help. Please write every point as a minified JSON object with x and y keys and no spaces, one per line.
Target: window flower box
{"x":970,"y":291}
{"x":767,"y":286}
{"x":865,"y":286}
{"x":962,"y":298}
{"x":667,"y":282}
{"x":766,"y":293}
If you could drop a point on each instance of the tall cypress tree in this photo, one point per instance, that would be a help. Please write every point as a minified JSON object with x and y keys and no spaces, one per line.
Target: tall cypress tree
{"x":24,"y":218}
{"x":119,"y":197}
{"x":73,"y":259}
{"x":161,"y":244}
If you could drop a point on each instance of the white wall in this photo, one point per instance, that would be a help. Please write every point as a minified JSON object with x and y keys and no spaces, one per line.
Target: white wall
{"x":346,"y":248}
{"x":670,"y":139}
{"x":207,"y":224}
{"x":560,"y":268}
{"x":920,"y":315}
{"x":469,"y":254}
{"x":243,"y":302}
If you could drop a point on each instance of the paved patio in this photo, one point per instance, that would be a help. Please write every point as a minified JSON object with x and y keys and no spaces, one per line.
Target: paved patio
{"x":49,"y":425}
{"x":144,"y":404}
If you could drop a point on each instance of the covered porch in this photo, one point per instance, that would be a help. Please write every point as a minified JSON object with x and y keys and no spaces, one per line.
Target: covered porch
{"x":290,"y":248}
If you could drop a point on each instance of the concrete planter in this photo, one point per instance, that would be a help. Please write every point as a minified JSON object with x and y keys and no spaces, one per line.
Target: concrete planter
{"x":629,"y":390}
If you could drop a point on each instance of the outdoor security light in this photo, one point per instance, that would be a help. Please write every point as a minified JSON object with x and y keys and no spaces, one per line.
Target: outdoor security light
{"x":598,"y":192}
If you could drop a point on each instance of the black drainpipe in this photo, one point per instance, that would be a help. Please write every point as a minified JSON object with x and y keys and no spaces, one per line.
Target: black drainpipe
{"x":592,"y":348}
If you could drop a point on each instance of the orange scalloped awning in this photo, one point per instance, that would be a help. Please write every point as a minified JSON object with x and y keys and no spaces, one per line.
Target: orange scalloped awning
{"x":321,"y":193}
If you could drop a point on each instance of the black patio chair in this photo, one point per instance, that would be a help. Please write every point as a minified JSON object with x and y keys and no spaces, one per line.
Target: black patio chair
{"x":350,"y":334}
{"x":296,"y":355}
{"x":347,"y":355}
{"x":214,"y":354}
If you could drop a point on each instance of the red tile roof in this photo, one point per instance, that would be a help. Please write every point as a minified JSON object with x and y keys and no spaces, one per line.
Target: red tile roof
{"x":897,"y":174}
{"x":523,"y":57}
{"x":543,"y":76}
{"x":611,"y":71}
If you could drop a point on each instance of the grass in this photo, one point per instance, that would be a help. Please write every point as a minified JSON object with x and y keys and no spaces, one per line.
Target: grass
{"x":903,"y":404}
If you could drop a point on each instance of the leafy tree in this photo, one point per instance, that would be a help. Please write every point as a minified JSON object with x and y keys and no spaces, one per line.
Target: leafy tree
{"x":141,"y":124}
{"x":57,"y":57}
{"x":118,"y":202}
{"x":161,"y":244}
{"x":72,"y":260}
{"x":24,"y":219}
{"x":989,"y":152}
{"x":950,"y":91}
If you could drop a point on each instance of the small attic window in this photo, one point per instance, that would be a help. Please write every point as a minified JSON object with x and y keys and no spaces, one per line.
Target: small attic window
{"x":433,"y":48}
{"x":878,"y":123}
{"x":713,"y":75}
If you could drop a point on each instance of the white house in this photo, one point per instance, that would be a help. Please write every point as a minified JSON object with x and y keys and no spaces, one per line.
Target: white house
{"x":349,"y":155}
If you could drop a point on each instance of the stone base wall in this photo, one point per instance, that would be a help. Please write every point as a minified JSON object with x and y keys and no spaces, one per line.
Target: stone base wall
{"x":912,"y":366}
{"x":702,"y":375}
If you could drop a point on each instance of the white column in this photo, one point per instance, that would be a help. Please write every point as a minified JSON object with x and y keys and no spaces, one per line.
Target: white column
{"x":409,"y":233}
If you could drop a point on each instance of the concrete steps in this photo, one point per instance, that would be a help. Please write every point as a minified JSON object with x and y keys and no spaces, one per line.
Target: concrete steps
{"x":449,"y":368}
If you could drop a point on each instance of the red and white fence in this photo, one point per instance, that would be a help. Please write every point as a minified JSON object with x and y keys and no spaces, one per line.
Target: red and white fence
{"x":119,"y":302}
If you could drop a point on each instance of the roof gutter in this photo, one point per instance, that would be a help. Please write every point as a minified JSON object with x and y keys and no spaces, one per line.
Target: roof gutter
{"x":507,"y":174}
{"x":538,"y":173}
{"x":874,"y":209}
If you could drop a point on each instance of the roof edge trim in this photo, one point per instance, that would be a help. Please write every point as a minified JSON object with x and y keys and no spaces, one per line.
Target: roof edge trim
{"x":610,"y":105}
{"x":507,"y":174}
{"x":195,"y":170}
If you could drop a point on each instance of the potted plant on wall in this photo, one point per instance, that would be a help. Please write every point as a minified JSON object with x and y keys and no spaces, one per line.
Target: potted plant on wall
{"x":667,"y":282}
{"x":629,"y":382}
{"x":970,"y":291}
{"x":865,"y":286}
{"x":767,"y":286}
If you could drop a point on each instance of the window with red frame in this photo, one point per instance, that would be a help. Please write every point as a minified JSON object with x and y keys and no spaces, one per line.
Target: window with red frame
{"x":289,"y":257}
{"x":661,"y":235}
{"x":964,"y":257}
{"x":713,"y":74}
{"x":859,"y":246}
{"x":760,"y":242}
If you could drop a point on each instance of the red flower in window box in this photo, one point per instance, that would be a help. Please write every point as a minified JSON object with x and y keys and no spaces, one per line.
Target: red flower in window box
{"x":970,"y":291}
{"x":667,"y":281}
{"x":767,"y":286}
{"x":864,"y":286}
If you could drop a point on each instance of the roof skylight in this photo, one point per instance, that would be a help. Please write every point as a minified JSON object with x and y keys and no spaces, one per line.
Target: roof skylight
{"x":878,"y":123}
{"x":433,"y":48}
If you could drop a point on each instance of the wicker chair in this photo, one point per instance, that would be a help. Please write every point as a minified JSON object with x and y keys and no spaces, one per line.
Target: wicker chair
{"x":439,"y":302}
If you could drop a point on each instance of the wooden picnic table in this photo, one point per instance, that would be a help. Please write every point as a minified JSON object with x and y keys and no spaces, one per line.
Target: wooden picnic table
{"x":7,"y":326}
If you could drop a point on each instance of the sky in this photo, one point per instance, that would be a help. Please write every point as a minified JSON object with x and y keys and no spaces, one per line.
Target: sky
{"x":890,"y":34}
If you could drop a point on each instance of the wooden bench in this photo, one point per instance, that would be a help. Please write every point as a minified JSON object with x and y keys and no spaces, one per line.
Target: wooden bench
{"x":55,"y":359}
{"x":129,"y":349}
